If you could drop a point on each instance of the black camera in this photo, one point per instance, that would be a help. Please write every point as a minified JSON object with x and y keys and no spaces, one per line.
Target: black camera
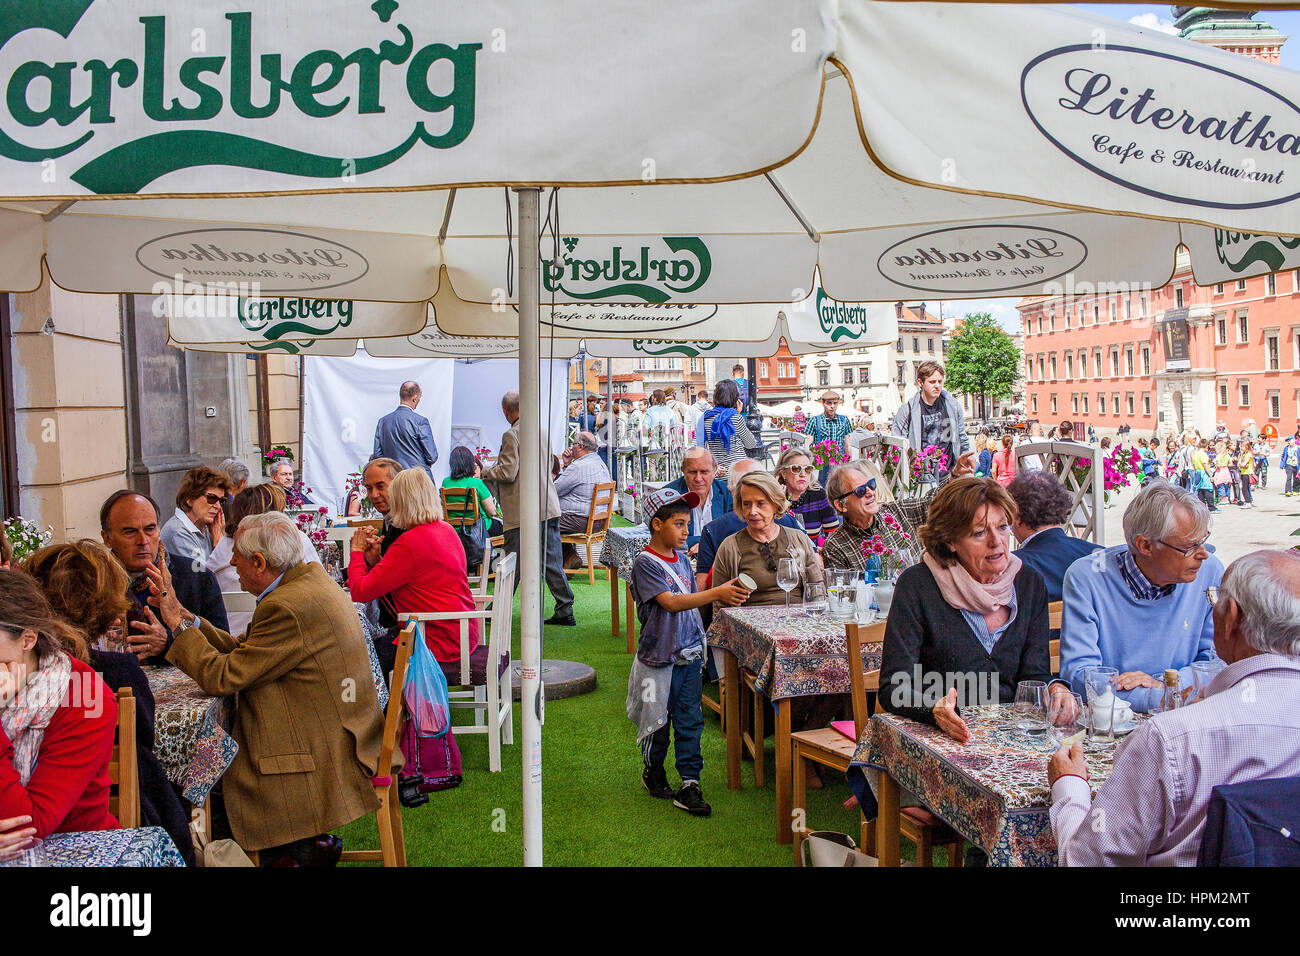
{"x":409,"y":793}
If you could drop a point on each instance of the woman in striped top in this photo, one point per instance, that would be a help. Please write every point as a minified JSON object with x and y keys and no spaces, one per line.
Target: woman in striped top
{"x":725,"y":431}
{"x":796,"y":472}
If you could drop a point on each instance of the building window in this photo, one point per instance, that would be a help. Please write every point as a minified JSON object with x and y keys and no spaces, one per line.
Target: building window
{"x":1051,"y":322}
{"x":1143,"y":297}
{"x":1274,"y":353}
{"x":1040,"y":325}
{"x":823,"y":376}
{"x":1129,"y":399}
{"x":1096,"y":314}
{"x":1241,"y":285}
{"x":762,"y":371}
{"x":1243,"y":329}
{"x":1146,"y":405}
{"x":1115,"y":397}
{"x":1069,"y":365}
{"x":848,"y":376}
{"x":1146,"y":360}
{"x":1245,"y":393}
{"x":1053,"y":403}
{"x":1114,"y":363}
{"x":1074,"y":402}
{"x":1067,"y":318}
{"x":1085,"y":404}
{"x":1218,"y":289}
{"x":900,"y":374}
{"x":929,"y":346}
{"x":1096,"y":363}
{"x":1128,"y":360}
{"x":1223,"y":394}
{"x":1221,"y":330}
{"x":916,"y":343}
{"x":1034,"y":399}
{"x":1128,"y":306}
{"x":1042,"y":370}
{"x":1101,"y":403}
{"x":1178,"y":297}
{"x":1271,"y":280}
{"x":864,"y":375}
{"x":900,"y":343}
{"x":695,"y":365}
{"x":1083,"y":364}
{"x":1274,"y":404}
{"x":1052,"y":363}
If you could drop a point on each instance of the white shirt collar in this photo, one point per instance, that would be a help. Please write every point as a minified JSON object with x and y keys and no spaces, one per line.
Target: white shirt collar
{"x":185,"y":520}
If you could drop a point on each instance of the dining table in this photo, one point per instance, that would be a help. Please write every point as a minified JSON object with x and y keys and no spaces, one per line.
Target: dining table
{"x":618,"y":551}
{"x":992,"y":790}
{"x":191,"y":739}
{"x":146,"y":846}
{"x":791,"y":655}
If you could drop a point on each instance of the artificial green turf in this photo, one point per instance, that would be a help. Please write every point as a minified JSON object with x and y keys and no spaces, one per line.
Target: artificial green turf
{"x":594,"y":810}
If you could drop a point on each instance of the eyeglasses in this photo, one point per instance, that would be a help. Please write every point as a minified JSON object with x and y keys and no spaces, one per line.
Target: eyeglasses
{"x":1184,"y":551}
{"x":860,"y":490}
{"x":801,"y":469}
{"x":212,"y":499}
{"x":1212,"y":595}
{"x":765,"y":549}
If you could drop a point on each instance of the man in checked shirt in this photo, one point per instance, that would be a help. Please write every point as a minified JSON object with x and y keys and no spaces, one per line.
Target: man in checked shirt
{"x":1151,"y":810}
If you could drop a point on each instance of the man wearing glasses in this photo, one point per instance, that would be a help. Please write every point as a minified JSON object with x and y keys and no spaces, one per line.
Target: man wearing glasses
{"x":1140,"y":606}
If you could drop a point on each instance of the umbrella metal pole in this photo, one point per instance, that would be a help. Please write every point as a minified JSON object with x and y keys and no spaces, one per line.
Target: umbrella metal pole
{"x":530,"y":524}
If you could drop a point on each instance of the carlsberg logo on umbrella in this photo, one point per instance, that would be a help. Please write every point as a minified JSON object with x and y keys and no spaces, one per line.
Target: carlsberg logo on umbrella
{"x":239,"y":77}
{"x":841,"y":320}
{"x":645,"y":272}
{"x":1240,"y":250}
{"x":661,"y":347}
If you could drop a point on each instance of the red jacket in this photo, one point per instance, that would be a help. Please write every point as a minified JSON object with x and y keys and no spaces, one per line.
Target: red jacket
{"x":423,"y":570}
{"x":68,"y":789}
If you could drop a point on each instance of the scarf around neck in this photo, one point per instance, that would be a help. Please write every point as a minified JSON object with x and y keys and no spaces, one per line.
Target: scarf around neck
{"x":724,"y":426}
{"x":26,"y":717}
{"x":962,"y":591}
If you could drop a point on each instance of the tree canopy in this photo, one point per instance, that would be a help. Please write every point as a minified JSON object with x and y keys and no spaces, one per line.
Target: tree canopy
{"x":982,"y":359}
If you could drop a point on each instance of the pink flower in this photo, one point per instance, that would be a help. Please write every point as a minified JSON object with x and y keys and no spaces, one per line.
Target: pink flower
{"x":906,"y":536}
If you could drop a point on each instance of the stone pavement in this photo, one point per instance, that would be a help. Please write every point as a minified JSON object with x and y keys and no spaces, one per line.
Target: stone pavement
{"x":1235,"y":531}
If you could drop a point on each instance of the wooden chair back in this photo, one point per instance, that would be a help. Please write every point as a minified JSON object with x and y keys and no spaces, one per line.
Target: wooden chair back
{"x":123,"y":766}
{"x":460,"y":506}
{"x":1054,"y":649}
{"x":1055,"y":615}
{"x":603,"y":496}
{"x":862,"y":681}
{"x":393,"y":714}
{"x":376,"y":523}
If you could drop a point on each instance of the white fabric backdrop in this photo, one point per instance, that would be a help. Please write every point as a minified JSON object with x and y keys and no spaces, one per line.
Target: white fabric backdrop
{"x":343,"y":398}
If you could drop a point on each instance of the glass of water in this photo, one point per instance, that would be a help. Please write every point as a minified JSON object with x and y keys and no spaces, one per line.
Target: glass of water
{"x":1066,"y":719}
{"x":864,"y":602}
{"x":1030,"y":707}
{"x":814,"y":599}
{"x":787,"y":577}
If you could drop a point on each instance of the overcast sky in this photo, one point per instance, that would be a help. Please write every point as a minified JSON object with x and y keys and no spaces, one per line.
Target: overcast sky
{"x":1145,"y":15}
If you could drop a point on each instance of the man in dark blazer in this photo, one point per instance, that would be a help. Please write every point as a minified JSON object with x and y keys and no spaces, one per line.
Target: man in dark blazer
{"x":699,"y":474}
{"x":1045,"y":506}
{"x":404,"y":436}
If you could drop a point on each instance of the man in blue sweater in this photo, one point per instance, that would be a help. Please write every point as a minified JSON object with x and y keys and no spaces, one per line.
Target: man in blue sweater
{"x":1141,"y":607}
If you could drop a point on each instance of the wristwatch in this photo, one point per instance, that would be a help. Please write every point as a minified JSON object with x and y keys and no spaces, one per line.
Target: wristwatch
{"x":186,"y":625}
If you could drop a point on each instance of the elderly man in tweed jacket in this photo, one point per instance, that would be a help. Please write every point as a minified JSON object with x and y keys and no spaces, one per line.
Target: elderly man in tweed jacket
{"x":308,"y":723}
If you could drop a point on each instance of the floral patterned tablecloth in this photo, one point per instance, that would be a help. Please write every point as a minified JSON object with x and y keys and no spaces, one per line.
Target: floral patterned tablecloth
{"x":190,"y":735}
{"x":148,"y":846}
{"x":791,"y":654}
{"x":621,"y":546}
{"x":992,"y":790}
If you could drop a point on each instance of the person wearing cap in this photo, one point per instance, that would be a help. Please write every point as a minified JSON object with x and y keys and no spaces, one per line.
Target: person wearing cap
{"x":933,"y":417}
{"x":664,"y":687}
{"x":830,"y":426}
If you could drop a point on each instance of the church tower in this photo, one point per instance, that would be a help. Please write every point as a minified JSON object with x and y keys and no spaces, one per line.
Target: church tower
{"x":1236,"y":31}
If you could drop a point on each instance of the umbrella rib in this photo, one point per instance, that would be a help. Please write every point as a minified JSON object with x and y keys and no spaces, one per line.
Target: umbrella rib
{"x":58,"y":210}
{"x":446,"y":216}
{"x":813,"y":234}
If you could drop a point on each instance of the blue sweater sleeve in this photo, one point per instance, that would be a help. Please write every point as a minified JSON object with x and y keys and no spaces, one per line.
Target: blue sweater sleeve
{"x":1080,"y":636}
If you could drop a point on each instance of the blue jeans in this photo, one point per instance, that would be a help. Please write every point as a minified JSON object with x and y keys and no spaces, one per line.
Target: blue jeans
{"x":553,"y":559}
{"x":1290,"y":478}
{"x":686,"y":718}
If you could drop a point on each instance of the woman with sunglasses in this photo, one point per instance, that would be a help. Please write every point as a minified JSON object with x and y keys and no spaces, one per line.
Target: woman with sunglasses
{"x":807,"y":501}
{"x":198,"y":524}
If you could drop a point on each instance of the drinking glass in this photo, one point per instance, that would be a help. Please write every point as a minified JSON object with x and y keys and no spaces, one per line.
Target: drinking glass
{"x":1065,"y":716}
{"x":841,"y":590}
{"x":787,"y":576}
{"x":1030,"y":708}
{"x":864,"y":600}
{"x":1100,"y":684}
{"x":814,"y":599}
{"x":1204,"y":672}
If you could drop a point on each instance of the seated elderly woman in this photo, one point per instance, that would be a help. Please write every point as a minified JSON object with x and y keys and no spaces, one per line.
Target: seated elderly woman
{"x":86,"y":588}
{"x":796,"y":472}
{"x":756,"y":549}
{"x":198,"y":523}
{"x":970,"y":614}
{"x":422,"y":570}
{"x":57,"y":721}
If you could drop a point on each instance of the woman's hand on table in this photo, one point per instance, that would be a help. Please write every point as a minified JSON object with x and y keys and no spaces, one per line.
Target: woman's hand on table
{"x":16,"y":833}
{"x":945,"y":715}
{"x":1068,"y":761}
{"x":1133,"y":679}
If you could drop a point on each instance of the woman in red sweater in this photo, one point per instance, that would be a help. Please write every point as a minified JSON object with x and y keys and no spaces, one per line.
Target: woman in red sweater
{"x":422,"y":570}
{"x":57,"y":721}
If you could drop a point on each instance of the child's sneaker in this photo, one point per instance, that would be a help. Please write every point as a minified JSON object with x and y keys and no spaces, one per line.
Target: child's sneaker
{"x":690,"y":799}
{"x":656,"y":781}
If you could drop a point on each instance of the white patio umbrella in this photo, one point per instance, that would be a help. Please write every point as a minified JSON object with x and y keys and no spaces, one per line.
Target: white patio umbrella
{"x":721,"y":155}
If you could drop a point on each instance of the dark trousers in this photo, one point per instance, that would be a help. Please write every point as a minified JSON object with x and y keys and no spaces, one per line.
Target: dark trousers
{"x":1246,"y":494}
{"x":686,"y":720}
{"x":1290,"y":478}
{"x":553,"y":559}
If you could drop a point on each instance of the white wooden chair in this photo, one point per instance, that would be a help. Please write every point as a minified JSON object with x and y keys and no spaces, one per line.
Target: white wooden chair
{"x":1088,"y":490}
{"x":493,"y":701}
{"x":239,"y":602}
{"x":874,"y":446}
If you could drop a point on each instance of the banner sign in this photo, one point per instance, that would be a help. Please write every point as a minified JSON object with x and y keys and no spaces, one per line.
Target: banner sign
{"x":1174,"y":333}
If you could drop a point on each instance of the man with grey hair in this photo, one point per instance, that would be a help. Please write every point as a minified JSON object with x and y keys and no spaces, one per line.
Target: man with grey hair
{"x":575,"y":486}
{"x":281,"y":473}
{"x":700,"y":475}
{"x":1140,"y":606}
{"x":237,"y":472}
{"x":308,"y":725}
{"x":728,"y":523}
{"x":1151,"y":810}
{"x":405,"y":436}
{"x":509,"y":488}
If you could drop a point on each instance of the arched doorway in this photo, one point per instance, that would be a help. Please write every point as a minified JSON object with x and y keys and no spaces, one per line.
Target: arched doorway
{"x":1176,"y":399}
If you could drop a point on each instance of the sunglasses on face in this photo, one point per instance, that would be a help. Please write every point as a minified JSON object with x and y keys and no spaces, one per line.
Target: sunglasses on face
{"x":860,"y":490}
{"x":800,"y":469}
{"x":211,"y":498}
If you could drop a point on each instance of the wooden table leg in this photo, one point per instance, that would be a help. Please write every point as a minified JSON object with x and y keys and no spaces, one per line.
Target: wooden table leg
{"x":631,"y":620}
{"x":784,"y":769}
{"x":887,"y":823}
{"x":731,"y":728}
{"x":613,"y":603}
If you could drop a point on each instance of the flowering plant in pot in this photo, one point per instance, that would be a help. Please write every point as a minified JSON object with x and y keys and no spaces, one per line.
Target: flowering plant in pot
{"x":26,"y":537}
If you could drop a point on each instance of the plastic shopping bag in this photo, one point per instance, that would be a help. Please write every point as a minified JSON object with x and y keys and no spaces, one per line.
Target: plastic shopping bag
{"x":425,"y":692}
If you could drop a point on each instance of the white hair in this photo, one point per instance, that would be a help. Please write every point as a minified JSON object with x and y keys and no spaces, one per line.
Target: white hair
{"x":272,"y":535}
{"x":739,"y":470}
{"x":1263,"y":583}
{"x":235,"y":470}
{"x":1154,"y":513}
{"x":277,"y":465}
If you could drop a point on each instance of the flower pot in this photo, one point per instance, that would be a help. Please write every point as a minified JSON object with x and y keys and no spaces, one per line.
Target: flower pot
{"x":884,"y":597}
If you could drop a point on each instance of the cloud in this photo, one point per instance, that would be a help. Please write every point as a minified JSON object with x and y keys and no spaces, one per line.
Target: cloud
{"x":1152,"y":21}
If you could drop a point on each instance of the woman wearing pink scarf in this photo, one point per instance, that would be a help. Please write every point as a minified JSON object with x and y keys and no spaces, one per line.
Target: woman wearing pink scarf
{"x":969,"y":622}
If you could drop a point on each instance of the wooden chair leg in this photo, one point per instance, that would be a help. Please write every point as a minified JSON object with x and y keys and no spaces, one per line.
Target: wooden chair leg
{"x":867,"y":836}
{"x":591,"y":566}
{"x":956,"y":854}
{"x":760,"y":736}
{"x":924,"y":850}
{"x":799,"y":801}
{"x":384,"y":817}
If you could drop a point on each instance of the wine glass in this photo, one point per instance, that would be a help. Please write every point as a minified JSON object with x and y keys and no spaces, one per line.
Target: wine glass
{"x":1065,"y":717}
{"x":814,"y":599}
{"x":787,"y":577}
{"x":1030,"y":708}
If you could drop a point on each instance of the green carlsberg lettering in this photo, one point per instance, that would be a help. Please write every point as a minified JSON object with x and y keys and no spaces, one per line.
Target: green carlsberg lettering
{"x":842,"y":320}
{"x":645,"y":278}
